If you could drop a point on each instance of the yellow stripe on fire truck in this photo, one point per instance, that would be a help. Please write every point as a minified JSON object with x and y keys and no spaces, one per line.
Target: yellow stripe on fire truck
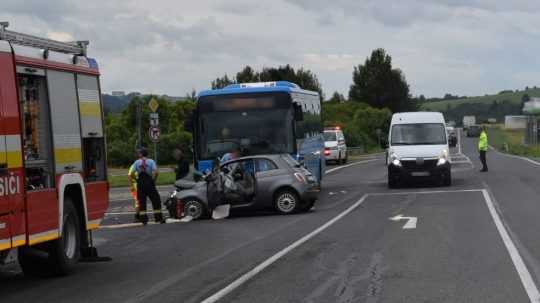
{"x":18,"y":241}
{"x":13,"y":153}
{"x":93,"y":224}
{"x":43,"y":237}
{"x":5,"y":244}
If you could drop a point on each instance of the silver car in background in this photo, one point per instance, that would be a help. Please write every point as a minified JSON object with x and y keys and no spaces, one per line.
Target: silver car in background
{"x":281,"y":184}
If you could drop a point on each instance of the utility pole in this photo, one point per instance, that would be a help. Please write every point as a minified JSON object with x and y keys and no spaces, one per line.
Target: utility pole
{"x":139,"y":123}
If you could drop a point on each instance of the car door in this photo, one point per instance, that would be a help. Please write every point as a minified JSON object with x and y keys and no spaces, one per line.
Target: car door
{"x":266,"y":172}
{"x":245,"y":166}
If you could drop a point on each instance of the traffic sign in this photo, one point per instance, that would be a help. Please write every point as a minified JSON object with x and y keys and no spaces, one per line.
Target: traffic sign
{"x":154,"y":133}
{"x":154,"y":119}
{"x":153,"y":104}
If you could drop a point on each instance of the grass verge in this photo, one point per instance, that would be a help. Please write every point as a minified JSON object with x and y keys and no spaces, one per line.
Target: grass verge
{"x":164,"y":178}
{"x":511,"y":141}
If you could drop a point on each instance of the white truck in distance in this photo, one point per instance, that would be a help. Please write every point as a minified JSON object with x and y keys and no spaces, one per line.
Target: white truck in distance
{"x":468,"y":121}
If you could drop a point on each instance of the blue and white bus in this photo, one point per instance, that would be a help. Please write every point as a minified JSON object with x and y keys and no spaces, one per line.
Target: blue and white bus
{"x":259,"y":118}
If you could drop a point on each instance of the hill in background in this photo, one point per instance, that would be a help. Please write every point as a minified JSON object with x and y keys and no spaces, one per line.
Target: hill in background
{"x":483,"y":107}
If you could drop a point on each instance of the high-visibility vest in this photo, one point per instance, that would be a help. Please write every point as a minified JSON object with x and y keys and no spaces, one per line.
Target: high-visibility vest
{"x":483,"y":142}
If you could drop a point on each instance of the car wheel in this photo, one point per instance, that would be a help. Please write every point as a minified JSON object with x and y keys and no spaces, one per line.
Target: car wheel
{"x":286,"y":201}
{"x":66,"y":251}
{"x":194,"y":208}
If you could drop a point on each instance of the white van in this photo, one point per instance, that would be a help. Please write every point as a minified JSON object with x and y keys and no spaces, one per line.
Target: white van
{"x":418,"y":148}
{"x":335,"y":148}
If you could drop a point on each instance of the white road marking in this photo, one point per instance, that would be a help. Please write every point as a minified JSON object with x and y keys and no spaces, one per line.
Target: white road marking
{"x":349,"y":165}
{"x":411,"y":221}
{"x":523,"y":272}
{"x":252,"y":273}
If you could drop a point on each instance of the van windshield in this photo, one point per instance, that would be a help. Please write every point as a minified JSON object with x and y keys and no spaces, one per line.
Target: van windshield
{"x":418,"y":134}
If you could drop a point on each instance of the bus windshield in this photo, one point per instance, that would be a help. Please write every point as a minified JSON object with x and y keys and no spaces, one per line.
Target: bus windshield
{"x":244,"y":123}
{"x":418,"y":134}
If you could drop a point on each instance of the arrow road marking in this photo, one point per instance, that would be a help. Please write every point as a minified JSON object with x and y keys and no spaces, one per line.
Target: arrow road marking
{"x":411,"y":221}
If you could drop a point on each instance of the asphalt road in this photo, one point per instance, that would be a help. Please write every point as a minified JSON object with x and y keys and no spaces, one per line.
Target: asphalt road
{"x":476,"y":241}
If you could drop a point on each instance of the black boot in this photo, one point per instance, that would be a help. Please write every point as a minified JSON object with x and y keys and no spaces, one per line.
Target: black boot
{"x":143,"y":219}
{"x":159,"y":218}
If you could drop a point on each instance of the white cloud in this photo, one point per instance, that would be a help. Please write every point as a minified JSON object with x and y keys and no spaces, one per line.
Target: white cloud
{"x":169,"y":46}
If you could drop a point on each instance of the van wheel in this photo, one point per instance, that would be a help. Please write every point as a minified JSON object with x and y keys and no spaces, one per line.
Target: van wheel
{"x":447,"y":179}
{"x":286,"y":202}
{"x":65,"y":252}
{"x":392,"y":182}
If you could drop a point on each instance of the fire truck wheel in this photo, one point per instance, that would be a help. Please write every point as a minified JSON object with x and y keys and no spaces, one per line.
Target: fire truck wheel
{"x":64,"y":252}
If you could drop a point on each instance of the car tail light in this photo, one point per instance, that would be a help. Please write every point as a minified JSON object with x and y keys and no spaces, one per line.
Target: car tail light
{"x":300,"y":177}
{"x":326,"y":151}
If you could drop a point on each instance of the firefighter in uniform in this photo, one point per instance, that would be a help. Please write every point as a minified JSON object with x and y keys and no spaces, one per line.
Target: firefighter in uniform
{"x":482,"y":148}
{"x":146,"y":187}
{"x":132,"y":178}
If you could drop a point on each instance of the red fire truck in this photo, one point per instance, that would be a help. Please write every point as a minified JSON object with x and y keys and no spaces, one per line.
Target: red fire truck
{"x":53,"y":179}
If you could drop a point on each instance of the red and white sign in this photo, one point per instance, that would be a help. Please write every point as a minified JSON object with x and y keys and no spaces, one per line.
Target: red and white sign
{"x":154,"y":133}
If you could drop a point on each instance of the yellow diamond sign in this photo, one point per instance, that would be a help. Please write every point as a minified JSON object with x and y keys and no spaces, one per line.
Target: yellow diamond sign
{"x":153,"y":104}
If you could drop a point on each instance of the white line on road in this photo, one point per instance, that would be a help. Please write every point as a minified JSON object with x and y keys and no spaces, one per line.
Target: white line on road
{"x":523,"y":272}
{"x":250,"y":274}
{"x":349,"y":165}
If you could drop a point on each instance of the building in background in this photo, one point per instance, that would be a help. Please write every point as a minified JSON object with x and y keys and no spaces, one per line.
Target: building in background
{"x":515,"y":122}
{"x":118,"y":93}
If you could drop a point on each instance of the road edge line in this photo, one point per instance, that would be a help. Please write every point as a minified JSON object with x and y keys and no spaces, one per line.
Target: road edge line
{"x":515,"y":156}
{"x":524,"y":274}
{"x":262,"y":266}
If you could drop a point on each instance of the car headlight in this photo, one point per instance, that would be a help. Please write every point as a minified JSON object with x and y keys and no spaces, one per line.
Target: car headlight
{"x":394,"y":160}
{"x":443,"y":158}
{"x":300,"y":177}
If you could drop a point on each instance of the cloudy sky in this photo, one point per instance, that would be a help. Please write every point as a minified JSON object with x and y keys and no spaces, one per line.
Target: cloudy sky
{"x":465,"y":47}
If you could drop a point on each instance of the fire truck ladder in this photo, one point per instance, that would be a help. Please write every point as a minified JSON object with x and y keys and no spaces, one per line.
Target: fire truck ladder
{"x":76,"y":47}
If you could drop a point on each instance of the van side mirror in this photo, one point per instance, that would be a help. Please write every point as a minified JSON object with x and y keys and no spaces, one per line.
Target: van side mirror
{"x":298,"y":113}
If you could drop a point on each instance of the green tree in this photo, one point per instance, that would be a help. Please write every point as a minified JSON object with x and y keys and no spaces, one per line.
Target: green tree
{"x":378,"y":84}
{"x":247,"y":75}
{"x":337,"y":98}
{"x":302,"y":77}
{"x":122,"y":133}
{"x":221,"y":82}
